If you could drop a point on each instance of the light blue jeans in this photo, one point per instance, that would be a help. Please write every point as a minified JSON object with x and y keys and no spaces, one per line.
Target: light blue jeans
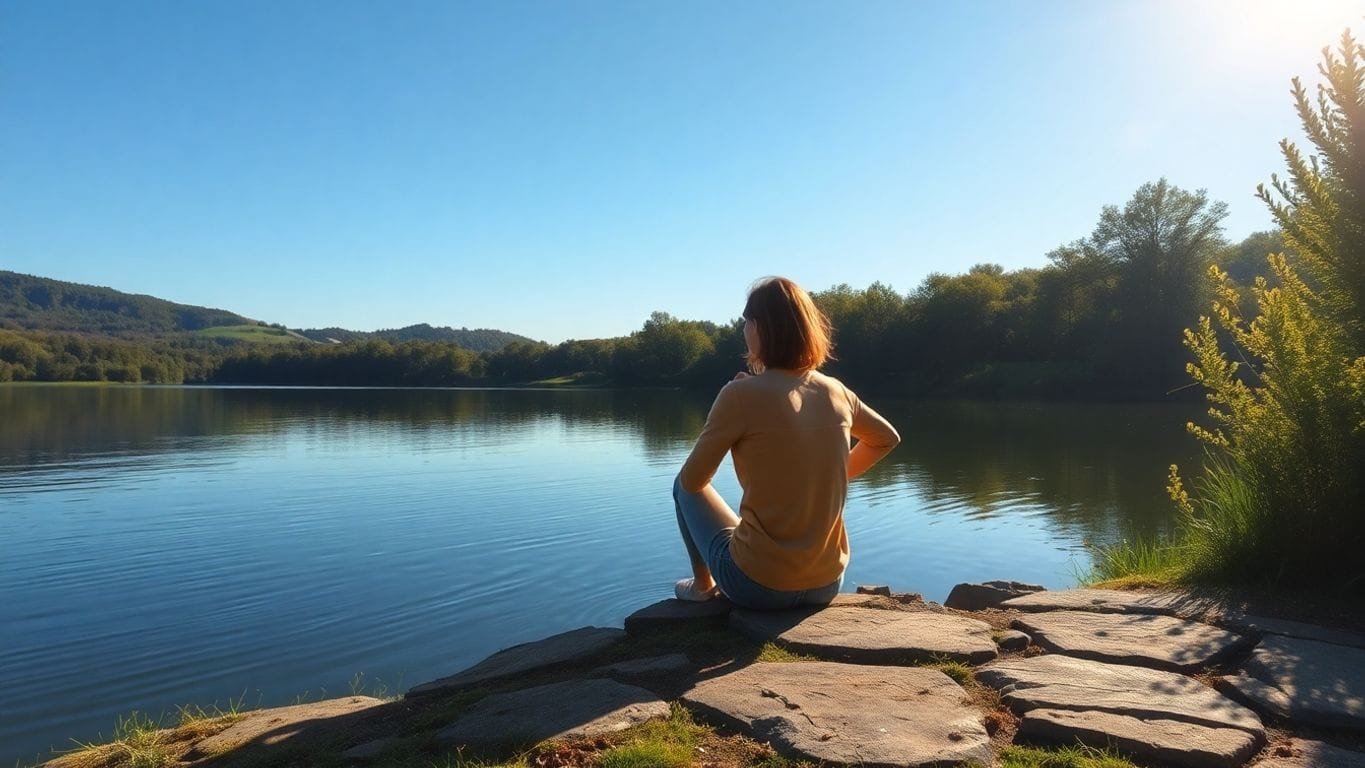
{"x":707,"y":524}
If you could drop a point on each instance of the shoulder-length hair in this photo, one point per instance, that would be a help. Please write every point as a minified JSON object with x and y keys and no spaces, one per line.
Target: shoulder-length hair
{"x":793,"y":334}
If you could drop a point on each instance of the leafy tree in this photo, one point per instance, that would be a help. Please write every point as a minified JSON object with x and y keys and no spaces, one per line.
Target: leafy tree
{"x":1282,"y":500}
{"x":1246,"y":261}
{"x":1159,"y":245}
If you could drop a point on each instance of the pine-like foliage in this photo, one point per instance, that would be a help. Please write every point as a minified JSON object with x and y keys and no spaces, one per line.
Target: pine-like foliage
{"x":1283,"y":500}
{"x":1321,"y":206}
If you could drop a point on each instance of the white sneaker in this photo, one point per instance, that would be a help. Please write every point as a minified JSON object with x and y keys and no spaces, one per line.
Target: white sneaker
{"x":686,"y":589}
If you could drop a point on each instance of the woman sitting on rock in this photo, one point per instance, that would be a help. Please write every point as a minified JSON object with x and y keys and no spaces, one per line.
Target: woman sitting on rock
{"x":788,"y":427}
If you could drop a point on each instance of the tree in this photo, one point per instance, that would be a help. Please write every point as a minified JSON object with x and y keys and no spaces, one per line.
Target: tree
{"x":1159,"y":245}
{"x":1281,"y":501}
{"x":1322,"y":204}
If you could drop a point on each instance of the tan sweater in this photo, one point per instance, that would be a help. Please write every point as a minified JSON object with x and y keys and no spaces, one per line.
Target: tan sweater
{"x":790,"y":437}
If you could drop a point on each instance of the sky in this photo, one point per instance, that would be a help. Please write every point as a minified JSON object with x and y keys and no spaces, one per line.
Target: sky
{"x":561,"y":169}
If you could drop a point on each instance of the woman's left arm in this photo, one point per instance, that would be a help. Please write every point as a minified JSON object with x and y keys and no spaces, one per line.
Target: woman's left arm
{"x":876,"y":438}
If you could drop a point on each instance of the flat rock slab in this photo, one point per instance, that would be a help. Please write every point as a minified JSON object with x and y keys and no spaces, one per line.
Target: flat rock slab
{"x":1160,"y":642}
{"x":1168,"y":742}
{"x":574,"y":709}
{"x":1300,"y":753}
{"x":1304,"y":681}
{"x":654,"y":665}
{"x":563,"y":648}
{"x":300,"y":726}
{"x":1109,"y":601}
{"x":674,"y":614}
{"x":849,"y":714}
{"x":987,"y":594}
{"x":1248,"y":623}
{"x":1053,"y":681}
{"x":871,"y":636}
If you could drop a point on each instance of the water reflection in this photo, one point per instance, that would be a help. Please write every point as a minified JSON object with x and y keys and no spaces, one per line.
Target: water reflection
{"x":1094,"y":467}
{"x":180,"y":545}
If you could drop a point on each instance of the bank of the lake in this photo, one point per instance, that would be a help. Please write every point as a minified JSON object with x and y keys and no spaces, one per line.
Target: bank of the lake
{"x":168,"y":545}
{"x":1002,"y":674}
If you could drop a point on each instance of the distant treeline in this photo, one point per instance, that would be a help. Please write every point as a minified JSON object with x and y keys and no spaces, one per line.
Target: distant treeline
{"x":1103,"y":320}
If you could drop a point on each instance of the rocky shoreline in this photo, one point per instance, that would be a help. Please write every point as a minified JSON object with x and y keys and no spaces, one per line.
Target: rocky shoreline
{"x":875,"y":679}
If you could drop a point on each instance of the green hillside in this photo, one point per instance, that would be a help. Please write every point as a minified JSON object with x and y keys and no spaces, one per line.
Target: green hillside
{"x":472,"y":339}
{"x":39,"y":304}
{"x":255,"y":334}
{"x":29,"y":303}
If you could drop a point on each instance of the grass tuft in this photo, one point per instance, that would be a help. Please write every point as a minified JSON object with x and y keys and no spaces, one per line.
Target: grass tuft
{"x":1137,"y":563}
{"x":667,"y":743}
{"x":138,"y":742}
{"x":775,"y":653}
{"x":960,"y":673}
{"x":1063,"y":757}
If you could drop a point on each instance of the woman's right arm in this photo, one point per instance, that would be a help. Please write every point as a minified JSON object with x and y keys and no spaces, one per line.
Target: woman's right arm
{"x":876,"y":438}
{"x":724,"y":427}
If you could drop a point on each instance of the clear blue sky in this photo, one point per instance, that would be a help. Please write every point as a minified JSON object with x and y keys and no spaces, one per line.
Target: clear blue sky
{"x":562,"y":169}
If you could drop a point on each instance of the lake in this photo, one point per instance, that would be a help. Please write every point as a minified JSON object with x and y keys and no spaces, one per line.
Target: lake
{"x":165,"y":546}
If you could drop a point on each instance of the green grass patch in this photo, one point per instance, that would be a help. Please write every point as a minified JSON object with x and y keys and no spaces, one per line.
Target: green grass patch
{"x":1137,"y":563}
{"x":457,"y":761}
{"x":773,"y":652}
{"x":1063,"y":757}
{"x":668,"y":743}
{"x":139,"y":741}
{"x":960,"y":673}
{"x":252,"y":334}
{"x":1225,"y":535}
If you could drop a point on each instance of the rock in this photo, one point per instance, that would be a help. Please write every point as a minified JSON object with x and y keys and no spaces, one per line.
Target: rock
{"x":1053,"y":681}
{"x":850,"y":600}
{"x":1109,"y":601}
{"x":848,"y":714}
{"x":1012,"y":640}
{"x":1300,"y":753}
{"x":299,"y":726}
{"x":987,"y":594}
{"x":1305,"y":681}
{"x":1167,"y":742}
{"x":565,"y":647}
{"x":1247,"y":623}
{"x":574,"y":709}
{"x":654,"y":665}
{"x":1160,"y":642}
{"x":367,"y":750}
{"x":874,"y":589}
{"x":672,"y":614}
{"x":867,"y":636}
{"x":1263,"y":697}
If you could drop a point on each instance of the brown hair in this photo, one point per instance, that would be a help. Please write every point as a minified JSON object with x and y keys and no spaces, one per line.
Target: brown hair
{"x":793,"y":333}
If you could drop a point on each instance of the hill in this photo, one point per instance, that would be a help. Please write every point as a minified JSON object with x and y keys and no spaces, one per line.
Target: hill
{"x":40,"y":304}
{"x":29,"y":303}
{"x":474,"y":340}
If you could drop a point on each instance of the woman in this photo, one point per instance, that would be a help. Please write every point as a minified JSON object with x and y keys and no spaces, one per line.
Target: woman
{"x":788,"y":427}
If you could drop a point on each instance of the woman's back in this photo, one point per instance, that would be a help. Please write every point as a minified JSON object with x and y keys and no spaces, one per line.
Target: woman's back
{"x":789,"y":429}
{"x":789,"y":436}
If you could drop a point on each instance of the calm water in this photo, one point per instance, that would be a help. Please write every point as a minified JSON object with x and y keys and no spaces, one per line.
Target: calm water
{"x":166,"y":546}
